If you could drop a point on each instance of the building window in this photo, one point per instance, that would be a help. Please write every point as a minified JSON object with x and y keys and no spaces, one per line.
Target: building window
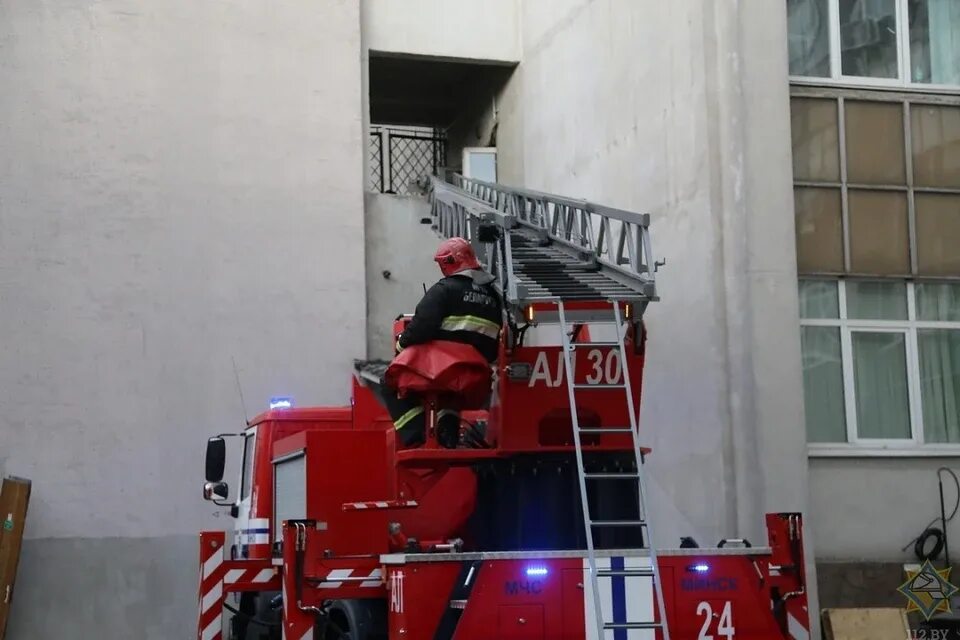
{"x":875,"y":42}
{"x":877,"y":183}
{"x":881,"y":362}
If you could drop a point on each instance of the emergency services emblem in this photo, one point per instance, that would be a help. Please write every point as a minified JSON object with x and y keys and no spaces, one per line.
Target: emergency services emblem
{"x":928,"y":590}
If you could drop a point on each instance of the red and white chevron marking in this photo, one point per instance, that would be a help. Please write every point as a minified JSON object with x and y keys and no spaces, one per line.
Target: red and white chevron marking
{"x":249,"y":576}
{"x":295,"y":625}
{"x":798,"y":625}
{"x":382,"y":504}
{"x":219,"y":576}
{"x":337,"y":577}
{"x":210,"y":622}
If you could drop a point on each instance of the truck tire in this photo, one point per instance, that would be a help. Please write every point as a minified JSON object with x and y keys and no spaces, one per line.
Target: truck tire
{"x":355,"y":620}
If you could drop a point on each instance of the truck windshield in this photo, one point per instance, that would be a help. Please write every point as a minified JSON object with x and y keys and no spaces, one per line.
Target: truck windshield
{"x":248,"y":445}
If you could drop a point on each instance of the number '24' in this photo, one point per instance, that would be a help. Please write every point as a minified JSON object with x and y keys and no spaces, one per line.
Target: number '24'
{"x":725,"y":627}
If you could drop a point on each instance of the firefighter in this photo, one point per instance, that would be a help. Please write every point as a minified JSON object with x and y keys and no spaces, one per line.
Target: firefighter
{"x":462,"y":307}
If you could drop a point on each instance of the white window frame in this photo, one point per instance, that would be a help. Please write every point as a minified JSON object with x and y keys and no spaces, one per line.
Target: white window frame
{"x":857,"y":446}
{"x":903,"y":79}
{"x":470,"y":151}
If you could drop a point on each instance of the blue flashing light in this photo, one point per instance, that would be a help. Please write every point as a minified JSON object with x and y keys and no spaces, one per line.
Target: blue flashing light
{"x":536,"y":571}
{"x":701,"y":568}
{"x":281,"y":403}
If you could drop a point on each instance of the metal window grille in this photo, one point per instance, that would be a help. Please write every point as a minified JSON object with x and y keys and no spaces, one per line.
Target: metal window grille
{"x":401,"y":156}
{"x":376,"y":161}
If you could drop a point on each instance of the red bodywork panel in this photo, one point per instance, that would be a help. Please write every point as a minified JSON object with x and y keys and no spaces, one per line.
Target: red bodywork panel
{"x":750,"y":594}
{"x":272,"y":426}
{"x":340,"y":465}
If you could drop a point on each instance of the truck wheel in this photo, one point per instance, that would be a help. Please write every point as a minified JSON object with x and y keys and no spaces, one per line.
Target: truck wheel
{"x":338,"y":627}
{"x":355,"y":620}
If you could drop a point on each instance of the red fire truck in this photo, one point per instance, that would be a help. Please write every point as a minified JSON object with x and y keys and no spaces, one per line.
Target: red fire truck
{"x":537,"y":525}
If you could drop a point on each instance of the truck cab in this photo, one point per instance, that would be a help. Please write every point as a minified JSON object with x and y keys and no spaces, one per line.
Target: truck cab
{"x":252,"y":502}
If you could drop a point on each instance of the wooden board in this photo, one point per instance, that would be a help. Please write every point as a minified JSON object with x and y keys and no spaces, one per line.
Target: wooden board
{"x":14,"y":497}
{"x":865,"y":624}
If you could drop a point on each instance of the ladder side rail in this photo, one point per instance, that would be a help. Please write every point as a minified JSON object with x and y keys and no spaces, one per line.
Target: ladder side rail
{"x":628,"y":242}
{"x":448,"y":195}
{"x":588,"y":230}
{"x":557,"y":217}
{"x":557,"y":221}
{"x":593,"y":207}
{"x":605,"y":241}
{"x":627,"y":273}
{"x":641,"y":480}
{"x":458,"y":215}
{"x":584,"y":497}
{"x":511,"y":291}
{"x":648,"y":259}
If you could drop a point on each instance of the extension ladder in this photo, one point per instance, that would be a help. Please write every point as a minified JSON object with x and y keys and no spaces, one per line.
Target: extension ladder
{"x":641,"y":522}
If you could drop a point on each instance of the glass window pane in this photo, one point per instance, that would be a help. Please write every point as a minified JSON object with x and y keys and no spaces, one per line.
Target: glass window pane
{"x":868,"y":38}
{"x":816,"y":154}
{"x":818,"y":299}
{"x":935,"y":138}
{"x":248,"y":456}
{"x":819,"y":230}
{"x":938,"y":301}
{"x":879,"y":234}
{"x":808,"y":24}
{"x":938,"y":234}
{"x":935,"y":41}
{"x":823,"y":384}
{"x":868,"y":300}
{"x":940,"y":384}
{"x":880,"y":382}
{"x":875,"y":151}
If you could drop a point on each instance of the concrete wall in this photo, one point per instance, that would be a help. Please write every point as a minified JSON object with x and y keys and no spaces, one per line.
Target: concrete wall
{"x":180,"y":186}
{"x":476,"y":29}
{"x":695,"y":130}
{"x":396,"y":243}
{"x":869,"y":508}
{"x":681,"y":109}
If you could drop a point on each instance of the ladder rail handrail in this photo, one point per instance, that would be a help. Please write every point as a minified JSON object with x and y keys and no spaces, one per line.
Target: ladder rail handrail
{"x":592,"y":207}
{"x":643,"y":517}
{"x":457,"y":214}
{"x":560,"y":216}
{"x":584,"y":499}
{"x":563,"y":222}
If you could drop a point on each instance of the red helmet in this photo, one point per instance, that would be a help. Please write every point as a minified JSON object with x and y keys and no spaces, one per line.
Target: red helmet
{"x":455,"y":255}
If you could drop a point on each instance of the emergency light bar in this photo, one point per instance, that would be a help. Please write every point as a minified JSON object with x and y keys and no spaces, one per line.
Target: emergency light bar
{"x":281,"y":403}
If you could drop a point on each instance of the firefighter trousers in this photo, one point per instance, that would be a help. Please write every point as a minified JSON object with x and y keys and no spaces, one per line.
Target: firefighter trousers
{"x":409,"y":416}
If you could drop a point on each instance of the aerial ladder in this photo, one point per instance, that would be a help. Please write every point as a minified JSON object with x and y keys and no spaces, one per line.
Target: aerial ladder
{"x":572,"y":263}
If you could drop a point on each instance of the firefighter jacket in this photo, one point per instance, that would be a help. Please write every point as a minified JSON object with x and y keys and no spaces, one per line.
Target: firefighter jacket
{"x":463,"y":307}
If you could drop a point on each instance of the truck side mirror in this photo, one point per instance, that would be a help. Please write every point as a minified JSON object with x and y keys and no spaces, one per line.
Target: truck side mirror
{"x":216,"y":459}
{"x":214,"y":490}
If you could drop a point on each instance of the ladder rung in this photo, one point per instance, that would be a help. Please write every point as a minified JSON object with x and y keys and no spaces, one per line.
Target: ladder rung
{"x":630,"y":475}
{"x":646,"y":572}
{"x":618,"y":523}
{"x":587,"y":385}
{"x":606,"y":430}
{"x":594,"y":344}
{"x":632,"y":625}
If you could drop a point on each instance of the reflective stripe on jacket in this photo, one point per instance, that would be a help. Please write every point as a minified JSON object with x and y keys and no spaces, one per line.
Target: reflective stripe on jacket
{"x":465,"y":308}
